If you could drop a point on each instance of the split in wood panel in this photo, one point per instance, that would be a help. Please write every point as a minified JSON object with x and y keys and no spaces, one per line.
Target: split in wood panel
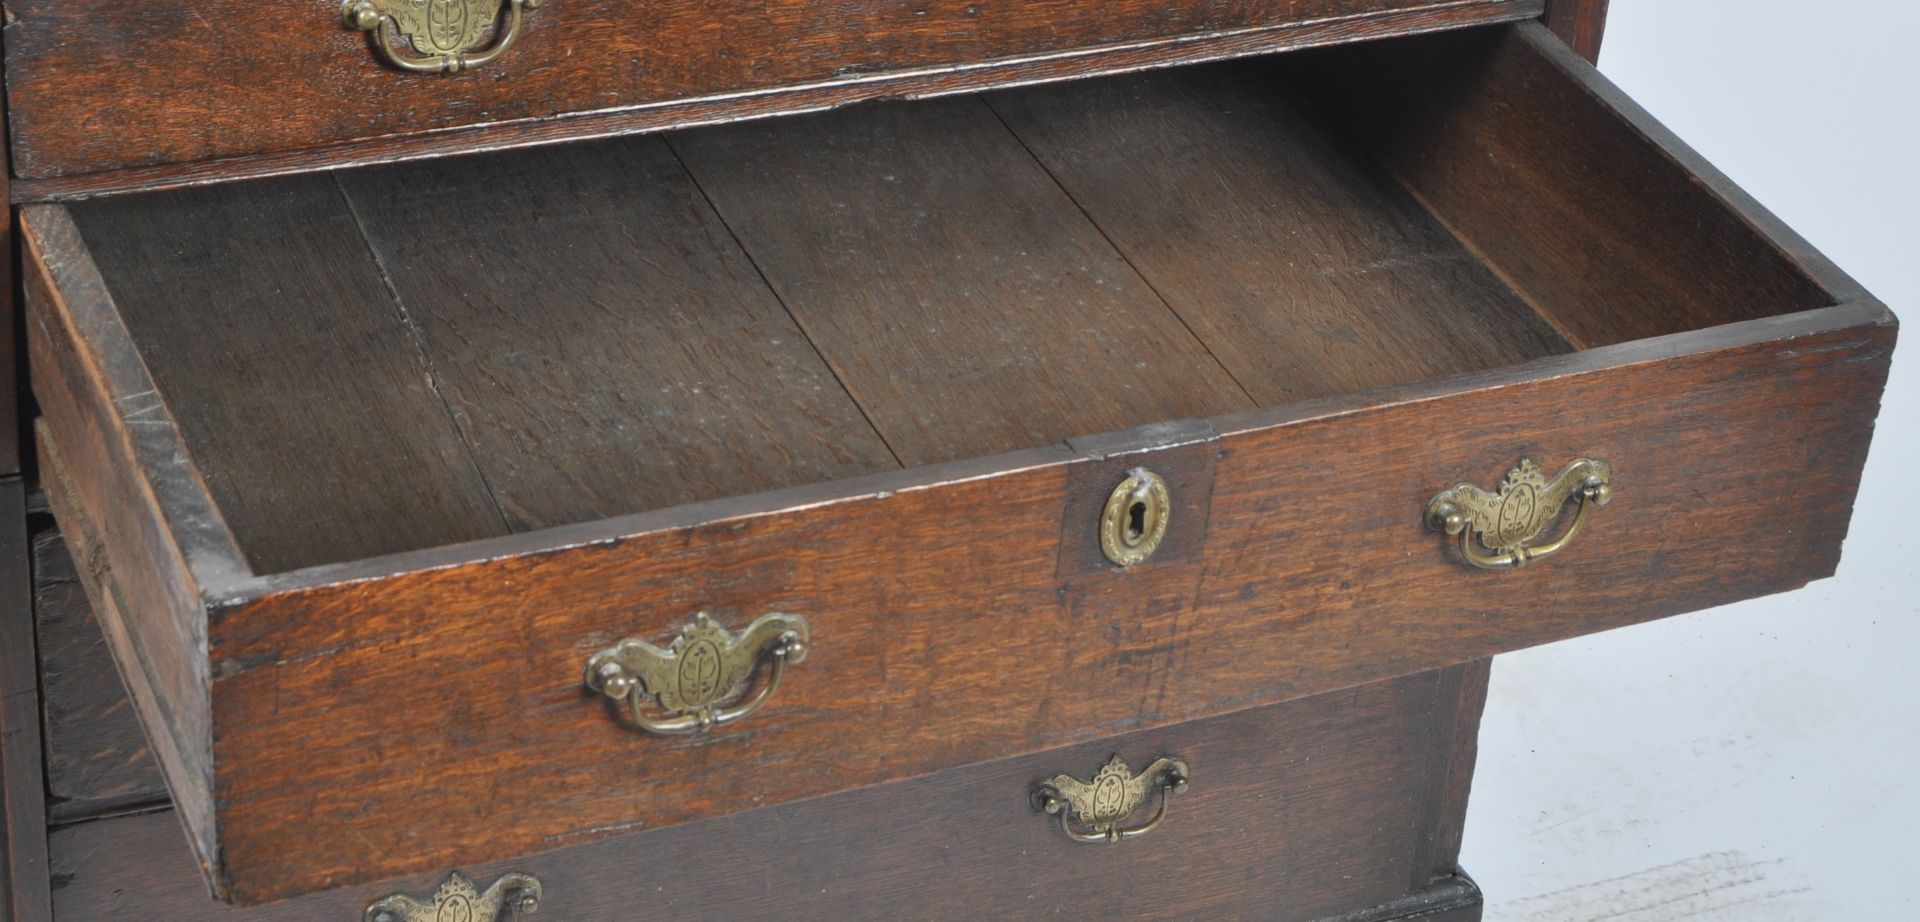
{"x":968,"y":303}
{"x":275,"y":345}
{"x":599,"y":336}
{"x":1305,"y":269}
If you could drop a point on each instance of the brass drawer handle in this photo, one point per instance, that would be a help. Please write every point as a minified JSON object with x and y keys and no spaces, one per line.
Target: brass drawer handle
{"x":458,"y":899}
{"x":444,"y":34}
{"x":1091,"y":811}
{"x":1497,"y":530}
{"x":691,"y":678}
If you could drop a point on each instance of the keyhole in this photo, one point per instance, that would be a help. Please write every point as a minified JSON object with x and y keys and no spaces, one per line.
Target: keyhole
{"x":1136,"y":521}
{"x":1134,"y":518}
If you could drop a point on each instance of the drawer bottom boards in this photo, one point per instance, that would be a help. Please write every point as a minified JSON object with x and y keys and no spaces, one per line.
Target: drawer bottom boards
{"x":1345,"y":806}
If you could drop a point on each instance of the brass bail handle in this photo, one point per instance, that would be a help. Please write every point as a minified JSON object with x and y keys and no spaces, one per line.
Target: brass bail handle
{"x":694,"y":681}
{"x":459,"y":898}
{"x":1091,"y":812}
{"x":1499,"y":531}
{"x":445,"y":35}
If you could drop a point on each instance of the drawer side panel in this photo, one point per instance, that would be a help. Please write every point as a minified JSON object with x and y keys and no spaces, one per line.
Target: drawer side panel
{"x":137,"y":517}
{"x":1612,"y":227}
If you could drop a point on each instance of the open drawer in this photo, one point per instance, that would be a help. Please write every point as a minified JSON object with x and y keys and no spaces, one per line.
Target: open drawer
{"x":366,"y":471}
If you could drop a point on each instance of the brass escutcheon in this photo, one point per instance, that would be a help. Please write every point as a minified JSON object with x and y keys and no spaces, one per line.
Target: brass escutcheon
{"x":444,"y":34}
{"x":1092,"y":811}
{"x":1134,"y":521}
{"x":458,"y":900}
{"x":1497,"y":530}
{"x":692,"y":679}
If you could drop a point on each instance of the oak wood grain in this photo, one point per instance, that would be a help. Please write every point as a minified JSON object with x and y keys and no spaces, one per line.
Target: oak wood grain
{"x":1612,"y":237}
{"x":599,"y":336}
{"x":128,"y":477}
{"x":960,"y":295}
{"x":24,"y":890}
{"x":234,"y":79}
{"x":1304,"y":269}
{"x":1304,"y":811}
{"x":275,"y":343}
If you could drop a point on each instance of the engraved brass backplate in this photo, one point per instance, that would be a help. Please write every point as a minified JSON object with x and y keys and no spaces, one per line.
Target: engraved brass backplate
{"x":695,"y":678}
{"x":1134,"y":521}
{"x":444,"y":35}
{"x":1092,"y":811}
{"x":458,"y":900}
{"x":1499,"y":530}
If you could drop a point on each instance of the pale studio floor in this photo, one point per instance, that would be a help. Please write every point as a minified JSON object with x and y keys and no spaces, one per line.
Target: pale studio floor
{"x":1756,"y":762}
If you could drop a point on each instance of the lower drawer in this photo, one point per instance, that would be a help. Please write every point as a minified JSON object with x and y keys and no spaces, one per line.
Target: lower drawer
{"x":1311,"y":810}
{"x":1342,"y":803}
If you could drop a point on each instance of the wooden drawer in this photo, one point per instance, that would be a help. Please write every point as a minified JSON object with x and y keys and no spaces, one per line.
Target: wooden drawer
{"x":266,"y":87}
{"x":1316,"y":809}
{"x":364,"y":468}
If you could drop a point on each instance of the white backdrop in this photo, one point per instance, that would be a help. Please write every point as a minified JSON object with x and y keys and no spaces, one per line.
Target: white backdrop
{"x":1761,"y":761}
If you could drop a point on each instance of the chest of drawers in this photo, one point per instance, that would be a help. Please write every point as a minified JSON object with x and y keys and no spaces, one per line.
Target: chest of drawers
{"x":842,"y":514}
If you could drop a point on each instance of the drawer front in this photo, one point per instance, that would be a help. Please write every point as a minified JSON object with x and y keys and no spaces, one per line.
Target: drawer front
{"x":1310,"y":810}
{"x":100,"y":85}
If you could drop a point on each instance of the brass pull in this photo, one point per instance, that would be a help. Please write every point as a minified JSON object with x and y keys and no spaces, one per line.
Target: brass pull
{"x":458,"y":899}
{"x":1497,"y":530}
{"x":691,"y":678}
{"x":444,"y":34}
{"x":1134,"y":521}
{"x":1091,"y":811}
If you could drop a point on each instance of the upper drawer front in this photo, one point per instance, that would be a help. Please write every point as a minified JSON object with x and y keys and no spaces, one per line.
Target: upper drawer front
{"x":101,"y":85}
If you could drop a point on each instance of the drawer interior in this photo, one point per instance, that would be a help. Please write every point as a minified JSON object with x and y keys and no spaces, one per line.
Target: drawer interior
{"x":400,"y":357}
